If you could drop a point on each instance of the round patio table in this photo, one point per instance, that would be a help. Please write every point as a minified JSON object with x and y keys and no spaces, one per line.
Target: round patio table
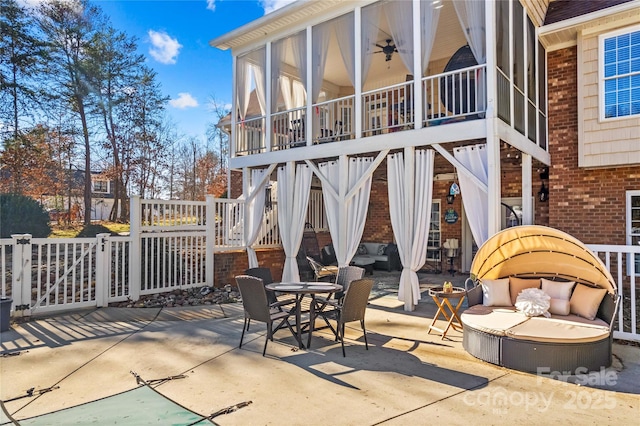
{"x":300,"y":289}
{"x":442,"y":300}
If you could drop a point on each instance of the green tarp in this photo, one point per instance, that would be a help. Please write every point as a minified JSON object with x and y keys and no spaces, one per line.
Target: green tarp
{"x":139,"y":406}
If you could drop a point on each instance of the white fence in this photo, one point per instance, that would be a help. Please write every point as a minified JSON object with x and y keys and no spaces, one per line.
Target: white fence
{"x":171,"y":246}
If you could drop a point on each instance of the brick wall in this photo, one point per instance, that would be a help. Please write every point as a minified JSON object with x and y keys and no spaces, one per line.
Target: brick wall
{"x":586,"y":203}
{"x":229,"y":264}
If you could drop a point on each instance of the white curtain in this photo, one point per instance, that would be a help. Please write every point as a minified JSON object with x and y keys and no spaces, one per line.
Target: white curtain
{"x":345,"y":33}
{"x":277,"y":59}
{"x":299,"y":94}
{"x":285,"y":85}
{"x":410,"y":217}
{"x":474,"y":198}
{"x":294,"y":186}
{"x":243,"y":85}
{"x":471,"y":16}
{"x":354,"y":208}
{"x":399,"y":16}
{"x":257,"y":60}
{"x":299,"y":47}
{"x":320,"y":42}
{"x":369,"y":36}
{"x":254,"y":212}
{"x":429,"y":17}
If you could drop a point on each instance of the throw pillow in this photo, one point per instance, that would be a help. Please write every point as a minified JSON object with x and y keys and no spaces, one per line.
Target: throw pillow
{"x":533,"y":302}
{"x":559,"y":307}
{"x":557,"y":289}
{"x":381,"y":249}
{"x":496,"y":292}
{"x":516,"y":285}
{"x":585,"y":301}
{"x":362,"y":249}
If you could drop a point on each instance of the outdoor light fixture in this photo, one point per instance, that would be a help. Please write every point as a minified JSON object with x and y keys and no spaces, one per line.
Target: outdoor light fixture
{"x":454,"y":190}
{"x":543,"y":194}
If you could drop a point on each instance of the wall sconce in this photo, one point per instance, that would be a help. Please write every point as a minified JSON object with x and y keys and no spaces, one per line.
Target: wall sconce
{"x":543,"y":194}
{"x":268,"y":204}
{"x":454,"y":190}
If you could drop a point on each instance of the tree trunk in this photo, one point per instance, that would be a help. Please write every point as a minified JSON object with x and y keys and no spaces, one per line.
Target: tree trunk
{"x":87,"y":160}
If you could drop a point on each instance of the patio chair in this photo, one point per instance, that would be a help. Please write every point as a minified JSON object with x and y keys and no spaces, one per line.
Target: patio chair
{"x":322,"y":272}
{"x":256,"y":307}
{"x":265,"y":275}
{"x":352,"y":308}
{"x":346,"y":275}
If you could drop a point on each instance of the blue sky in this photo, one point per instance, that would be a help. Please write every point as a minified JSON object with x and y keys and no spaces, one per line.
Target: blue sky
{"x":174,"y":36}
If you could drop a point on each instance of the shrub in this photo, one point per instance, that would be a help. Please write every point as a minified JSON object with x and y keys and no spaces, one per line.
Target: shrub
{"x":94,"y":229}
{"x":22,"y":215}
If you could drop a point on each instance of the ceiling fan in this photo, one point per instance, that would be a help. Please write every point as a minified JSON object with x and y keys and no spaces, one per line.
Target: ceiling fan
{"x":387,"y":50}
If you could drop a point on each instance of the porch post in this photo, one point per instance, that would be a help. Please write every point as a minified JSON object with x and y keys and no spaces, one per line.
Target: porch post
{"x":343,"y":188}
{"x":527,"y":190}
{"x":267,"y":90}
{"x":135,"y":248}
{"x":357,"y":100}
{"x":417,"y":67}
{"x":103,"y":283}
{"x":234,"y":114}
{"x":245,"y":193}
{"x":494,"y":183}
{"x":21,"y":274}
{"x":308,"y":131}
{"x":210,"y":240}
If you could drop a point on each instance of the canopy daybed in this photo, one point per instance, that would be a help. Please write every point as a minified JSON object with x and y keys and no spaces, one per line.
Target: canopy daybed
{"x":577,"y":334}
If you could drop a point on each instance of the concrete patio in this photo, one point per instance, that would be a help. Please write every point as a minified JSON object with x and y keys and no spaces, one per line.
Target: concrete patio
{"x":407,"y":377}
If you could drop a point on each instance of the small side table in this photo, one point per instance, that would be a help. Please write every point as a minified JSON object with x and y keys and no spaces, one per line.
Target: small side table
{"x":442,"y":300}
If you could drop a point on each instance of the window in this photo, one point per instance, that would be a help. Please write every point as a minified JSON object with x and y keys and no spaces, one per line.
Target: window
{"x":433,"y":245}
{"x":101,"y":186}
{"x":633,"y":227}
{"x":620,"y":71}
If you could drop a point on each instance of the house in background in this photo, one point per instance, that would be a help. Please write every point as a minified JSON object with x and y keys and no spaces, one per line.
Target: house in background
{"x":396,"y":105}
{"x":69,"y":206}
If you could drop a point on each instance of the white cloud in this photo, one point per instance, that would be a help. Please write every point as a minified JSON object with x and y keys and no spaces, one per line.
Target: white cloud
{"x":271,"y":5}
{"x":211,"y":5}
{"x":164,"y":49}
{"x":184,"y":100}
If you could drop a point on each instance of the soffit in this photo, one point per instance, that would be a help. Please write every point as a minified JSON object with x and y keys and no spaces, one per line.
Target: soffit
{"x":277,"y":22}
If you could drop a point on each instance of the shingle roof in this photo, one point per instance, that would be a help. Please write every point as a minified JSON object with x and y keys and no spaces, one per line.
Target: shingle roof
{"x":560,"y":10}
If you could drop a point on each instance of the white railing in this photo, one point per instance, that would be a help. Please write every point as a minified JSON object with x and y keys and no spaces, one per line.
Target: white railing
{"x":620,"y":260}
{"x":172,"y":260}
{"x":389,"y":109}
{"x":172,"y":215}
{"x":250,"y":136}
{"x":288,"y":129}
{"x":316,"y":215}
{"x":333,"y":120}
{"x":459,"y":94}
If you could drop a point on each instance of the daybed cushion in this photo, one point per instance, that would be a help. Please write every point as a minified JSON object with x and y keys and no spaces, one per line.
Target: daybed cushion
{"x":560,"y":293}
{"x":496,"y":292}
{"x":585,"y":301}
{"x":492,"y":320}
{"x":557,"y":289}
{"x":516,"y":285}
{"x":559,"y":307}
{"x":556,"y":330}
